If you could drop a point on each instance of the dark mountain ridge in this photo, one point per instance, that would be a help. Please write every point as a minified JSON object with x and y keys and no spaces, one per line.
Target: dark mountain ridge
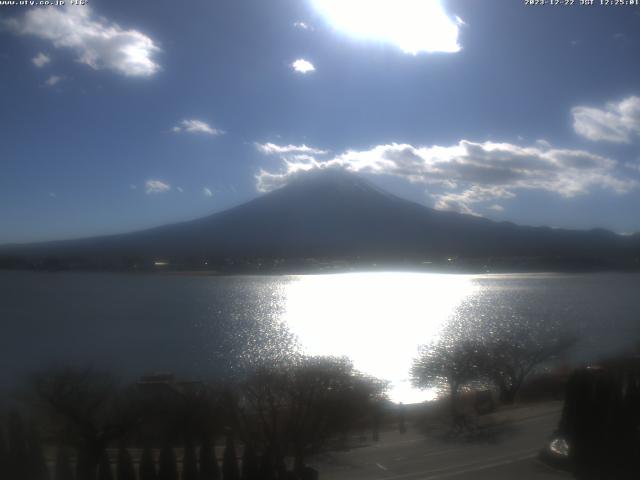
{"x":334,"y":215}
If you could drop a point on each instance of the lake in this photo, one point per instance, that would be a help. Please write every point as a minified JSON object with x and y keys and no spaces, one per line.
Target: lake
{"x":195,"y":325}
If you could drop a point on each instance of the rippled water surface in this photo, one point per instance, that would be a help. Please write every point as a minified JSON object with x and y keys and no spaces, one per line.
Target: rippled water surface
{"x":195,"y":324}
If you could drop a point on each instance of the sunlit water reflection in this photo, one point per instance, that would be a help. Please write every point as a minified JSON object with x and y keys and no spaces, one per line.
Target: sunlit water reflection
{"x":197,"y":326}
{"x":376,"y":319}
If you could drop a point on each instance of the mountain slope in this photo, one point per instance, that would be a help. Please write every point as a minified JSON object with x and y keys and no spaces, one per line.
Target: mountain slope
{"x":333,"y":214}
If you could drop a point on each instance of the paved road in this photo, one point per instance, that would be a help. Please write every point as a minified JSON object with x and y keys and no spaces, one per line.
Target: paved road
{"x":511,"y":455}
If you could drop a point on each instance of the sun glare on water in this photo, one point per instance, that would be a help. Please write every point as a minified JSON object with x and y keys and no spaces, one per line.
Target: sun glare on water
{"x":412,"y":25}
{"x":378,"y":320}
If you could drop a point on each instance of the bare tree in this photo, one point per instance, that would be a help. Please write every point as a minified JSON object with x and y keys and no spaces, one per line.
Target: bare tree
{"x":88,"y":410}
{"x":515,"y":348}
{"x":298,"y":407}
{"x":326,"y":396}
{"x":502,"y":349}
{"x":448,"y":364}
{"x":181,"y":410}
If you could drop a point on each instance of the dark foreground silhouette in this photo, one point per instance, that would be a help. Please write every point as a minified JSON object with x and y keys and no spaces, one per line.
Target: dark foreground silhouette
{"x":81,"y":424}
{"x":601,"y":421}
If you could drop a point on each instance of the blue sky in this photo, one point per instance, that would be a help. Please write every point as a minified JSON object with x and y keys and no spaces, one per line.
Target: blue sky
{"x":117,"y":115}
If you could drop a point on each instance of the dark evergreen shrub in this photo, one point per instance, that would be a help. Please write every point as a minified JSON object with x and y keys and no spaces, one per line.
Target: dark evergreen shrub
{"x":230,"y":469}
{"x":168,"y":469}
{"x":209,"y":469}
{"x":147,"y":467}
{"x":18,"y":458}
{"x":267,"y":465}
{"x":104,"y":467}
{"x":85,"y":466}
{"x":63,"y":469}
{"x":38,"y":469}
{"x":4,"y":454}
{"x":189,"y":462}
{"x":125,"y":468}
{"x":249,"y":463}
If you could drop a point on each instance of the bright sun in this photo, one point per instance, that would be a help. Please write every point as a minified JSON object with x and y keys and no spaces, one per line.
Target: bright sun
{"x":412,"y":25}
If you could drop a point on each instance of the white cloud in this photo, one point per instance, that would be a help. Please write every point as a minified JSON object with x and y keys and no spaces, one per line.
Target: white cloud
{"x":303,"y":66}
{"x":632,"y":166}
{"x":156,"y":186}
{"x":469,"y":172}
{"x":96,"y":41}
{"x":272,"y":148}
{"x":616,"y":122}
{"x":496,"y":208}
{"x":207,"y":192}
{"x":301,"y":25}
{"x":53,"y":80}
{"x":180,"y":189}
{"x":41,"y":60}
{"x":414,"y":26}
{"x":196,"y":126}
{"x":462,"y":202}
